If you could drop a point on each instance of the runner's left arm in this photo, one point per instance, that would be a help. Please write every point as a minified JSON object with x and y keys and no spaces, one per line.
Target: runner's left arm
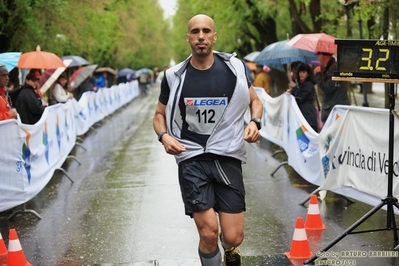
{"x":251,"y":133}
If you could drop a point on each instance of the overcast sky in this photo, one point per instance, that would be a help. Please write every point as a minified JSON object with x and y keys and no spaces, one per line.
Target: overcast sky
{"x":168,"y":6}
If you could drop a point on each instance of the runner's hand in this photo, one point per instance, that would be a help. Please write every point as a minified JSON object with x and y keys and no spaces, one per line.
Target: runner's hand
{"x":171,"y":145}
{"x":251,"y":133}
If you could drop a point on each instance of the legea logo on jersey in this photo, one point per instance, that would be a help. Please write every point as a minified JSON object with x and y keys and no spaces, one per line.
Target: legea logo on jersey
{"x":205,"y":101}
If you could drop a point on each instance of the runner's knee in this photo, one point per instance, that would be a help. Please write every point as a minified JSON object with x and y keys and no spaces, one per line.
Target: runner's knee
{"x":209,"y":236}
{"x":233,"y":238}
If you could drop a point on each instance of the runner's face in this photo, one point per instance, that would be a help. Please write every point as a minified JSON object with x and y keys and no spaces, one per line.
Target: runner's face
{"x":201,"y":35}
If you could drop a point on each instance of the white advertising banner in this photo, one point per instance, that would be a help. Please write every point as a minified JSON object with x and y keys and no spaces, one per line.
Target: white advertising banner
{"x":303,"y":145}
{"x":31,"y":153}
{"x":274,"y":117}
{"x":284,"y":125}
{"x":349,"y":156}
{"x":354,"y":152}
{"x":13,"y":177}
{"x":38,"y":151}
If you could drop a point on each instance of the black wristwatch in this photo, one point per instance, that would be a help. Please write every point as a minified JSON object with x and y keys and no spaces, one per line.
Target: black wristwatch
{"x":161,"y":135}
{"x":257,"y":122}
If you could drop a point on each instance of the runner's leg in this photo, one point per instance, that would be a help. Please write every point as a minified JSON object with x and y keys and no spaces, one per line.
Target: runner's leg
{"x":207,"y":225}
{"x":232,"y":227}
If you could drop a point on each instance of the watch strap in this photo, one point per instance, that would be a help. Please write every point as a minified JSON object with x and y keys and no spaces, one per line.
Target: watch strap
{"x":161,"y":135}
{"x":257,"y":122}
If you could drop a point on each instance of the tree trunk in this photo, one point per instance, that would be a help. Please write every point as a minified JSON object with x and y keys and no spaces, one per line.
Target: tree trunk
{"x":297,"y":24}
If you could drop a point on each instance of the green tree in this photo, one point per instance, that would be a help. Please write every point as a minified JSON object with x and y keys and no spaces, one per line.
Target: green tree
{"x":116,"y":33}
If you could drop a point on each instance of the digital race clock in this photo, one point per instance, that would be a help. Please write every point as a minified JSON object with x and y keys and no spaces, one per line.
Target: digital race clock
{"x":367,"y":59}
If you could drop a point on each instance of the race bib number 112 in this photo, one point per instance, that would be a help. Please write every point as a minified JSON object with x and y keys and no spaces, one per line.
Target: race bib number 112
{"x":202,"y":114}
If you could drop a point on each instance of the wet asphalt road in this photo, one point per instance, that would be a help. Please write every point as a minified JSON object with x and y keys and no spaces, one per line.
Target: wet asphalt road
{"x":124,"y":206}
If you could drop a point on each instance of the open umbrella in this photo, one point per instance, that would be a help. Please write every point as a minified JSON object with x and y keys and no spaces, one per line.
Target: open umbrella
{"x":144,"y":71}
{"x":10,"y":59}
{"x":76,"y":60}
{"x":280,"y":53}
{"x":39,"y":59}
{"x":49,"y":77}
{"x":124,"y":72}
{"x":106,"y":69}
{"x":251,"y":56}
{"x":81,"y":74}
{"x":314,"y":42}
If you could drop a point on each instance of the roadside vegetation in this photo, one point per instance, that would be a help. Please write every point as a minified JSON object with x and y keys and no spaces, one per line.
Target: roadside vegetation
{"x":134,"y":34}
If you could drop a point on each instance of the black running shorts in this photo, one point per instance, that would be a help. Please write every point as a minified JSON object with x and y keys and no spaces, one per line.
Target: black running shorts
{"x":216,"y":183}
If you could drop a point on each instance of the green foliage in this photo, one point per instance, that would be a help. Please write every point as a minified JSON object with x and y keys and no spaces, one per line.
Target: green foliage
{"x":133,"y":33}
{"x":115,"y":33}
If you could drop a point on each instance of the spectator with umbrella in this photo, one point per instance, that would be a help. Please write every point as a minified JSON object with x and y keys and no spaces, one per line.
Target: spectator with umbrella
{"x":262,"y":79}
{"x":101,"y":81}
{"x":82,"y":81}
{"x":38,"y":74}
{"x":14,"y":92}
{"x":59,"y":94}
{"x":304,"y":93}
{"x":29,"y":104}
{"x":333,"y":92}
{"x":85,"y":86}
{"x":324,"y":46}
{"x":123,"y":75}
{"x":6,"y":110}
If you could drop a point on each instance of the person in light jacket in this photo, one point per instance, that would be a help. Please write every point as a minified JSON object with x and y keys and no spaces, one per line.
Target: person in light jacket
{"x":59,"y":93}
{"x":199,"y":119}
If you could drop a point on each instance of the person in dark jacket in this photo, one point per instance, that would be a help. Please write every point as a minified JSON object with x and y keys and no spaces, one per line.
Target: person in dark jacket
{"x":87,"y":85}
{"x":29,"y":104}
{"x":333,"y":92}
{"x":304,"y":93}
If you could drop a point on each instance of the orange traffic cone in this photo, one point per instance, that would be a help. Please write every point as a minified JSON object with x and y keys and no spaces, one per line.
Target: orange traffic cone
{"x":3,"y":251}
{"x":16,"y":256}
{"x":300,"y":249}
{"x":313,"y":218}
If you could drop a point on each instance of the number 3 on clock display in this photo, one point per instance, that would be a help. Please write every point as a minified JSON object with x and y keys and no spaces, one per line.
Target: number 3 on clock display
{"x":367,"y":60}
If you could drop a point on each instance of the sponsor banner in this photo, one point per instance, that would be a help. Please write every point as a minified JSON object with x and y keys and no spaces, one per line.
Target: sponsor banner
{"x":31,"y":153}
{"x":13,"y":177}
{"x":349,"y":156}
{"x":284,"y":125}
{"x":275,"y":118}
{"x":303,"y":145}
{"x":35,"y":151}
{"x":354,"y":154}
